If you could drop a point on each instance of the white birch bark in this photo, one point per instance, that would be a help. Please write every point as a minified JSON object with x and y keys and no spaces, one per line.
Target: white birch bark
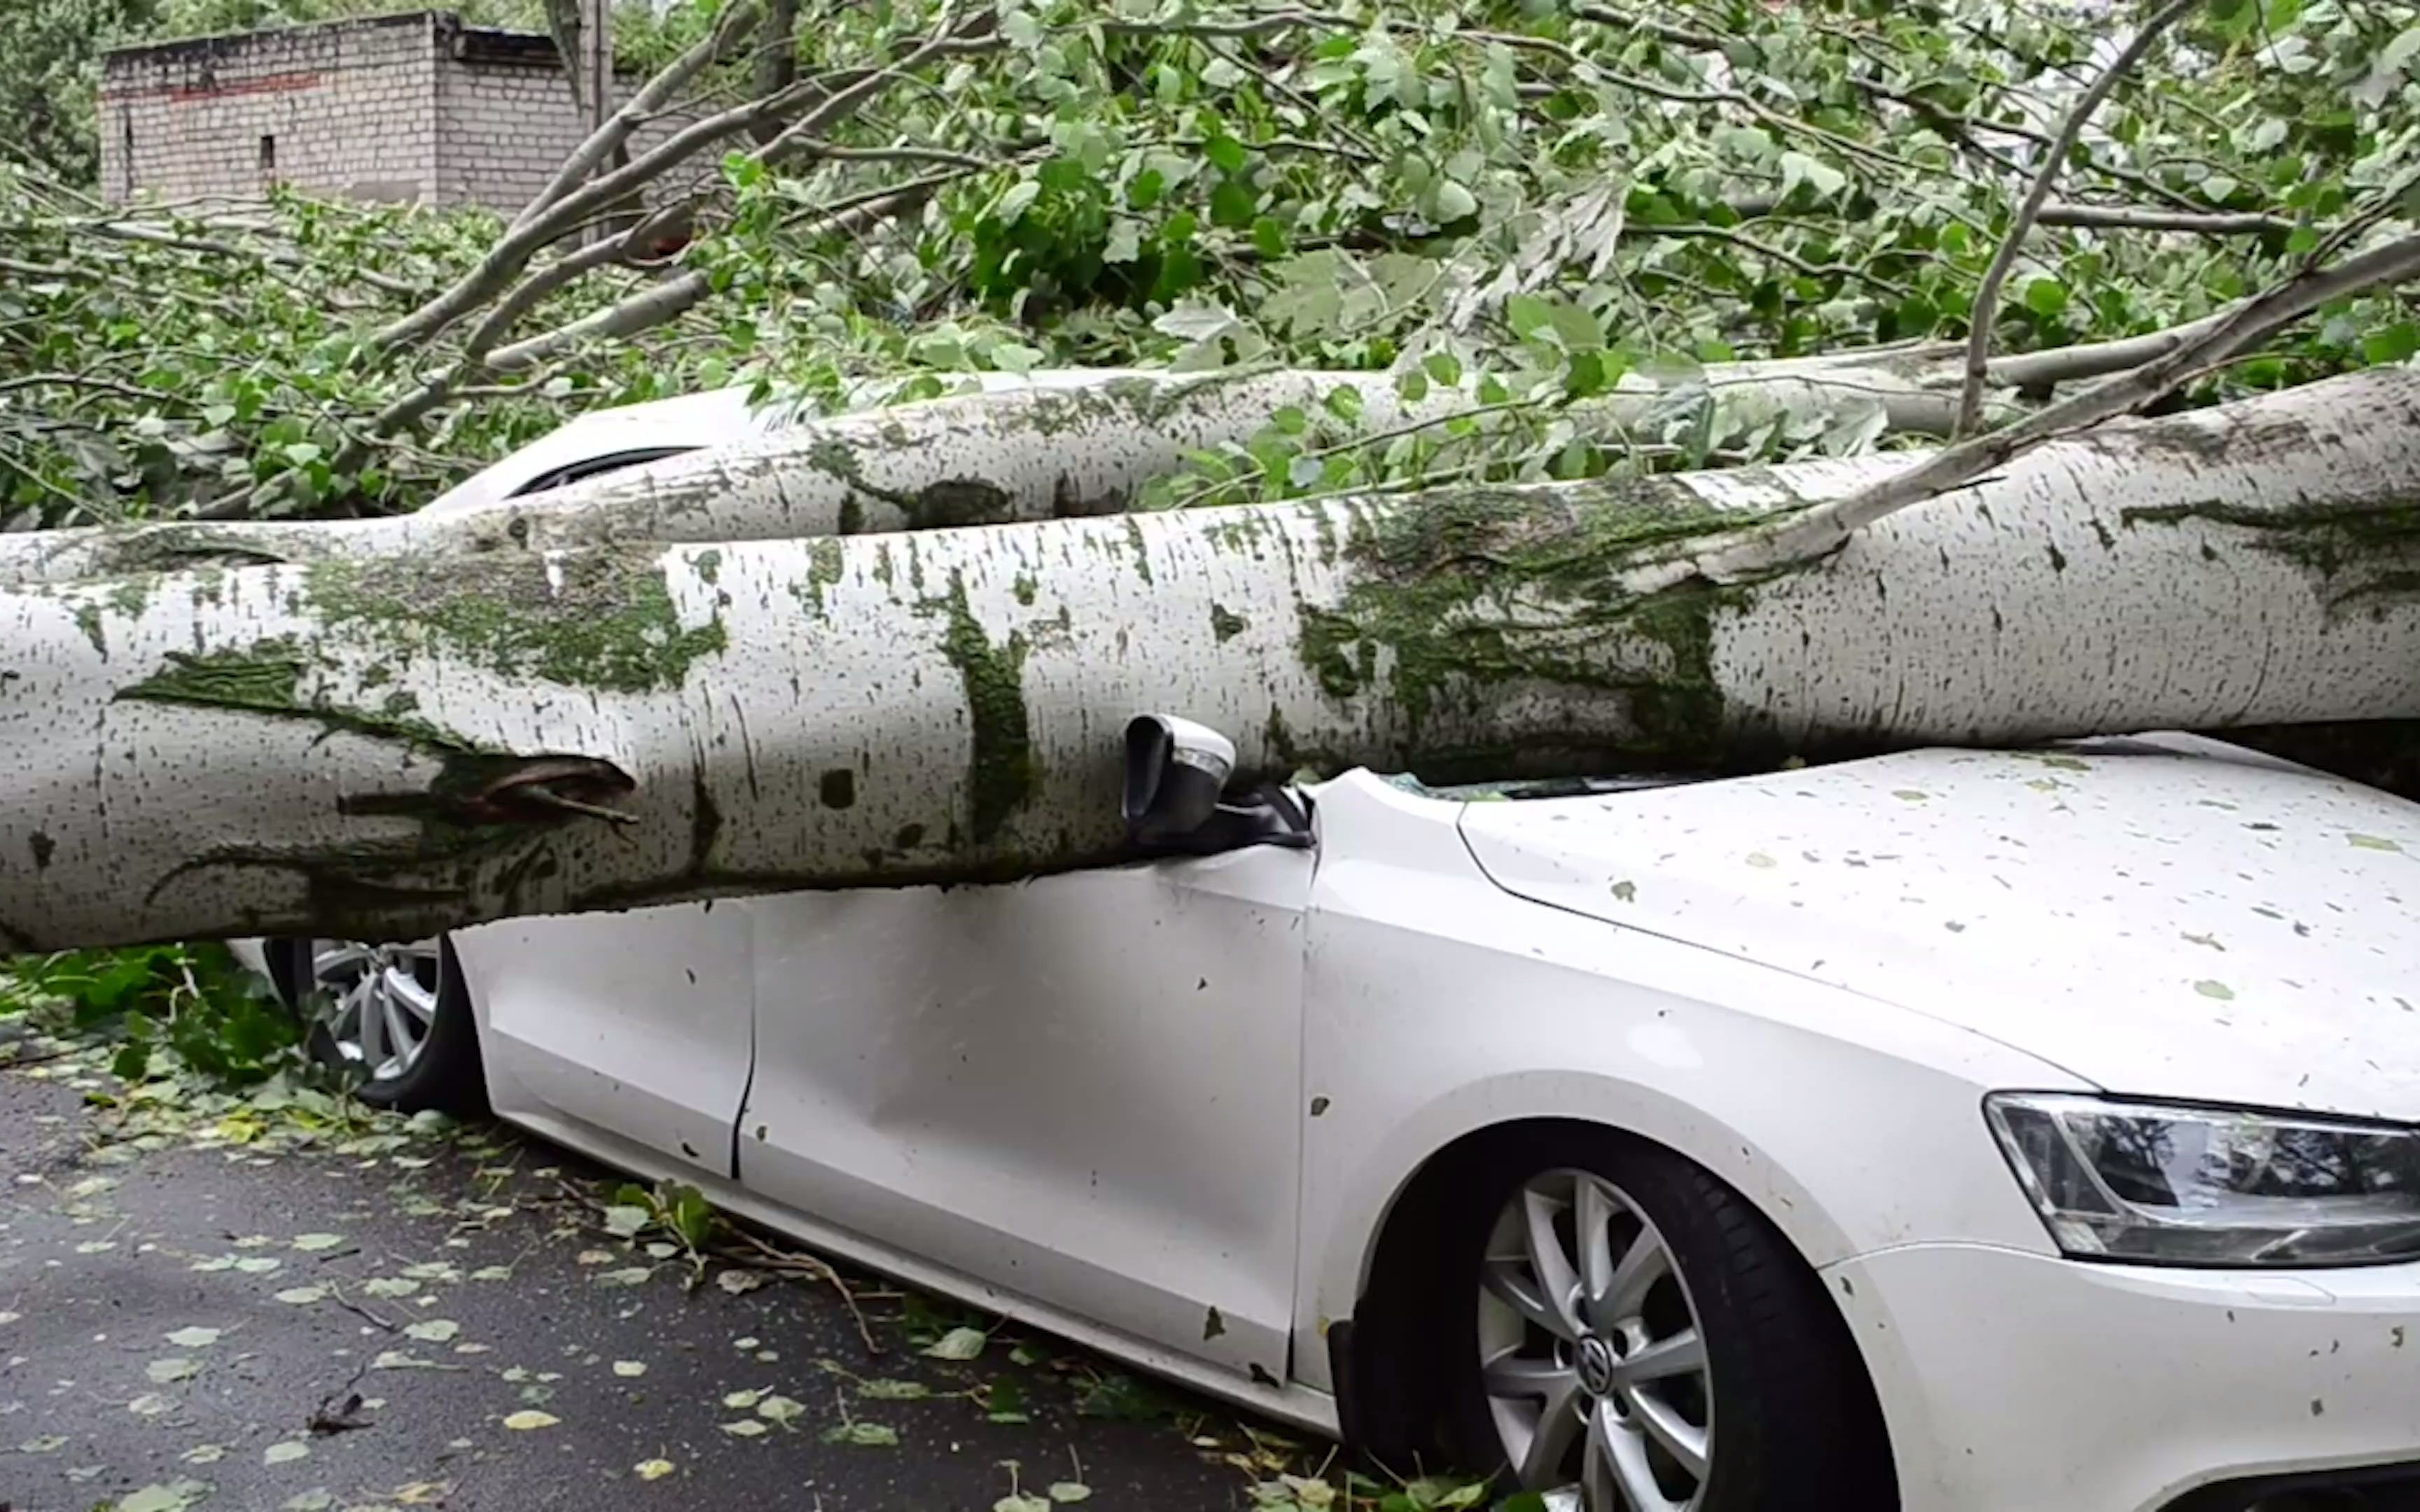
{"x":382,"y":748}
{"x":1076,"y":444}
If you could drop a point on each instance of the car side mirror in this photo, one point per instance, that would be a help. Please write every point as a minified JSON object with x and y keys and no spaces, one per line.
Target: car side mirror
{"x":1176,"y":774}
{"x":1175,"y":770}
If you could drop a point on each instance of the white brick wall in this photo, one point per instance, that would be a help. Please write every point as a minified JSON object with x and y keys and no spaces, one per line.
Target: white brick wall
{"x":413,"y":107}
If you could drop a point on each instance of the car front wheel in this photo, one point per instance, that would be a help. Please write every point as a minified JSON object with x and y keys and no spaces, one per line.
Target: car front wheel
{"x":396,"y":1017}
{"x":1634,"y":1338}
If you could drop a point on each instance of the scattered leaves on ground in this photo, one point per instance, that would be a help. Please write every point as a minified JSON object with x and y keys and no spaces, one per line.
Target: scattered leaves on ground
{"x":175,"y":1496}
{"x":958,"y":1344}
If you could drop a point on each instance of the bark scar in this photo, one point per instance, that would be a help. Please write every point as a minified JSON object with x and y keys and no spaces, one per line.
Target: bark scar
{"x":544,"y":788}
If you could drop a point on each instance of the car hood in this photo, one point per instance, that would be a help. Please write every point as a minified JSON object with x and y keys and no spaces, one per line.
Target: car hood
{"x":2157,"y":924}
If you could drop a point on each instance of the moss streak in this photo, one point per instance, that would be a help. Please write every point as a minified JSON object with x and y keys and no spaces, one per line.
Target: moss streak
{"x":1002,"y":775}
{"x":1437,"y":578}
{"x":611,"y":626}
{"x":2359,"y":551}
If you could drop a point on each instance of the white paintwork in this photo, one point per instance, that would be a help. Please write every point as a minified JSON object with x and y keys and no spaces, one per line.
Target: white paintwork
{"x":941,"y":1076}
{"x":2256,"y":921}
{"x":690,"y":419}
{"x":2029,"y":1384}
{"x":640,"y":1024}
{"x":1439,"y":1005}
{"x":1009,"y":1081}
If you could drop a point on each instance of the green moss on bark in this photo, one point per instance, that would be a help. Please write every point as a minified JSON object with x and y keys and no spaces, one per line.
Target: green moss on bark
{"x":1447,"y":584}
{"x":2358,"y":552}
{"x":825,"y":563}
{"x":601,"y":619}
{"x":937,"y":505}
{"x":1002,"y":774}
{"x":265,"y":676}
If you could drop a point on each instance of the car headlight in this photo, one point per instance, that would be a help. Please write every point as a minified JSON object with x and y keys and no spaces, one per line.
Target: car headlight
{"x":2172,"y":1184}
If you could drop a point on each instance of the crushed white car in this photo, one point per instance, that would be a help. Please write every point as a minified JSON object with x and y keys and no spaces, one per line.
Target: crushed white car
{"x":1957,"y":1131}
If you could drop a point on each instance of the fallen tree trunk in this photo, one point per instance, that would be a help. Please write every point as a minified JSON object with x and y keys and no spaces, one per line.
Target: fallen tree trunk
{"x":378,"y":748}
{"x":1076,"y":443}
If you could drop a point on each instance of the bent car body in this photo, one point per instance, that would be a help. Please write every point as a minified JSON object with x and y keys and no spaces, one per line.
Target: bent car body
{"x":1178,"y":1109}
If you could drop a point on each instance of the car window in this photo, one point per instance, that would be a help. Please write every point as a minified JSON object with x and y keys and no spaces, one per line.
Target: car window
{"x":595,"y":467}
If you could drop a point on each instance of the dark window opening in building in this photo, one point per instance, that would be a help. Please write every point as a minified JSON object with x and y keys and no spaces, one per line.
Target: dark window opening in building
{"x":267,"y":153}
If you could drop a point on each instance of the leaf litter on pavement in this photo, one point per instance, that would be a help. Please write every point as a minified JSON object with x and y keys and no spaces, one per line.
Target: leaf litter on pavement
{"x":638,"y":1240}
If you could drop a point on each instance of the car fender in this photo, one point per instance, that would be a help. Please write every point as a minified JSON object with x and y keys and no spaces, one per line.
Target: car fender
{"x":1439,"y":1006}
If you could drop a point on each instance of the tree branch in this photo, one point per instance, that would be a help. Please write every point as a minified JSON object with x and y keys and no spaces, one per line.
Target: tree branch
{"x":2137,"y":218}
{"x":1987,"y":296}
{"x":1827,"y":527}
{"x":509,"y":255}
{"x":674,"y":297}
{"x":652,"y":97}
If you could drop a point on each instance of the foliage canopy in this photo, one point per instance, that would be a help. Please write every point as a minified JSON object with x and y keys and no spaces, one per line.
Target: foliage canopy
{"x":1557,"y":195}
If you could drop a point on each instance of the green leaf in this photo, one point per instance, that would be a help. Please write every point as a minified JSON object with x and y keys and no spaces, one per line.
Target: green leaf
{"x":1453,"y":202}
{"x":2395,"y":344}
{"x":1798,"y":168}
{"x":1225,"y":153}
{"x":2398,"y":53}
{"x":692,"y":1217}
{"x":1234,"y":204}
{"x":1527,"y":315}
{"x":1344,"y":402}
{"x":957,"y":1344}
{"x":2046,"y":297}
{"x":1018,"y":199}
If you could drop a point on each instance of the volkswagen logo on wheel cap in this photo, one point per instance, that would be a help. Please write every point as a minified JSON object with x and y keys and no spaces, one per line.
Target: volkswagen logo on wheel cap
{"x":1595,"y":1366}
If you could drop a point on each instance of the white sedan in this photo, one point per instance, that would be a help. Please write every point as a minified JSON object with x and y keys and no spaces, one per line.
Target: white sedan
{"x":1956,"y":1130}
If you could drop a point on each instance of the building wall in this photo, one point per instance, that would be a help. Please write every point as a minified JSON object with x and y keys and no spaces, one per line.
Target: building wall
{"x":413,"y":107}
{"x":344,"y":108}
{"x":506,"y":119}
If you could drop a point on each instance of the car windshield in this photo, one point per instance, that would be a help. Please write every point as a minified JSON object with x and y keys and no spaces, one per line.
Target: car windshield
{"x":1572,"y":787}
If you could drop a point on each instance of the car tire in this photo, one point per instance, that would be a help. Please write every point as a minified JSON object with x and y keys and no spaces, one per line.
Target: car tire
{"x":443,"y":1071}
{"x":1780,"y":1403}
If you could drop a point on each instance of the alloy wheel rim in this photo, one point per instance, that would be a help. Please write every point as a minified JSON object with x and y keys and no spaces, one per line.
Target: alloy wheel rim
{"x":1590,"y":1353}
{"x":377,"y":1003}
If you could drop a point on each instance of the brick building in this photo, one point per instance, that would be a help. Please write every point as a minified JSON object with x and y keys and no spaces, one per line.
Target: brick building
{"x":413,"y":107}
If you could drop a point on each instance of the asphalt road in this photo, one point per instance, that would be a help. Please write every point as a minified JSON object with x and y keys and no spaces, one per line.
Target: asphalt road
{"x":503,"y":1354}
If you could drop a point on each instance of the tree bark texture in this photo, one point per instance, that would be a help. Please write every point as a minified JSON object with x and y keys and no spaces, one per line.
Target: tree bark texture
{"x":378,"y":747}
{"x":1073,"y":443}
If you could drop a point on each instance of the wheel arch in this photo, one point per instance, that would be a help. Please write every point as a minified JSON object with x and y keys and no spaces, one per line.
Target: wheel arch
{"x":1472,"y":1116}
{"x":1384,"y":1406}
